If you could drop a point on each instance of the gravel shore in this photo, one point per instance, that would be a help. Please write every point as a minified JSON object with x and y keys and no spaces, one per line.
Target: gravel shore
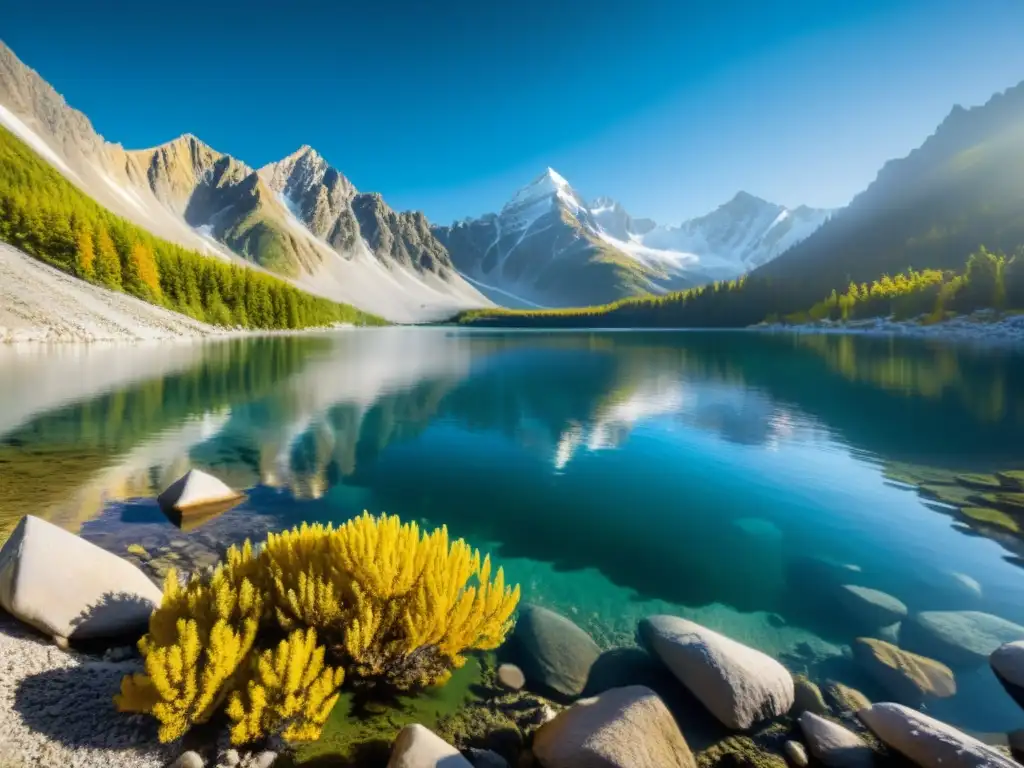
{"x":57,"y":711}
{"x":982,"y":327}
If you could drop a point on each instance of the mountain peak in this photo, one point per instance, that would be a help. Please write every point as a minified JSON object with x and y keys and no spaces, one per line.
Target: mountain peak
{"x":549,"y":184}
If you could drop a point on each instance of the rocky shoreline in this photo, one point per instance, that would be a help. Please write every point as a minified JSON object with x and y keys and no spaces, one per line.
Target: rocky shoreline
{"x":982,"y":327}
{"x":683,"y":696}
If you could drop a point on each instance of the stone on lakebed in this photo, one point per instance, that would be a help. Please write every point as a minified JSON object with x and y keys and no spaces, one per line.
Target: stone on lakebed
{"x":1007,"y":662}
{"x":928,"y":742}
{"x":871,"y":606}
{"x":833,"y":745}
{"x":196,"y":489}
{"x":958,"y":638}
{"x":621,"y":728}
{"x":419,"y":747}
{"x":67,"y":587}
{"x":739,"y":685}
{"x":556,"y":654}
{"x":906,"y":675}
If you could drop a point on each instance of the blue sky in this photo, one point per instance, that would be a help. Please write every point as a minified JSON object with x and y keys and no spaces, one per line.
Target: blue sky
{"x":448,"y":107}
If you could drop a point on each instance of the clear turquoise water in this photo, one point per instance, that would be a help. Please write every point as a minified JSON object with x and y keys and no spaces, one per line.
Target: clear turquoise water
{"x":614,"y":475}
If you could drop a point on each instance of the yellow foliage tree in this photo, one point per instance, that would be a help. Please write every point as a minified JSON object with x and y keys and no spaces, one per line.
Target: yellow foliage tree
{"x":145,"y":265}
{"x":389,"y":603}
{"x":86,"y":253}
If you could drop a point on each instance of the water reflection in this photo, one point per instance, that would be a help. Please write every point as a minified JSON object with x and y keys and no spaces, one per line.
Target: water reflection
{"x":612,"y":474}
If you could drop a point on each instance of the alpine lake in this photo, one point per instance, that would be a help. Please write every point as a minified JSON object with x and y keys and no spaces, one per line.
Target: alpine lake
{"x":742,"y":480}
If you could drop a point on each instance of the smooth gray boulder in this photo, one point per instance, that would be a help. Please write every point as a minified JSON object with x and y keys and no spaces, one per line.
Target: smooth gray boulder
{"x":67,"y":587}
{"x":555,"y":653}
{"x":621,"y":728}
{"x":195,"y":489}
{"x":418,"y":747}
{"x":870,"y":607}
{"x":928,"y":742}
{"x":1007,"y":662}
{"x":833,"y":745}
{"x":739,"y":685}
{"x":958,"y":638}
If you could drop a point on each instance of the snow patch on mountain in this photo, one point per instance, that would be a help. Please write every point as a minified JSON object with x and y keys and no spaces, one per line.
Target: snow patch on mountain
{"x":20,"y":129}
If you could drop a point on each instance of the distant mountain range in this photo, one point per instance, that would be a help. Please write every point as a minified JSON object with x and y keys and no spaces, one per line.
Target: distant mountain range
{"x":961,"y":189}
{"x":547,"y":247}
{"x":299,"y":217}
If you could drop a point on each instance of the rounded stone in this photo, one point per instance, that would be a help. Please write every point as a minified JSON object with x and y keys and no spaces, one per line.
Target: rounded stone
{"x":188,"y":759}
{"x":906,"y":675}
{"x":958,"y":638}
{"x":739,"y":685}
{"x":264,"y":759}
{"x":555,"y":653}
{"x":871,"y":607}
{"x":622,"y":728}
{"x":928,"y":742}
{"x":833,"y":745}
{"x":807,"y":697}
{"x":511,"y":677}
{"x":795,"y":753}
{"x":1007,"y":662}
{"x":846,"y":699}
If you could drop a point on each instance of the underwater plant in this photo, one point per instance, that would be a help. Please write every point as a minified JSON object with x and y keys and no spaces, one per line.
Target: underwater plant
{"x":386,"y":604}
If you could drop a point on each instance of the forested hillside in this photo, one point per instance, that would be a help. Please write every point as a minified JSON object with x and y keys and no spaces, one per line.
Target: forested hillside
{"x":988,"y":280}
{"x":46,"y":216}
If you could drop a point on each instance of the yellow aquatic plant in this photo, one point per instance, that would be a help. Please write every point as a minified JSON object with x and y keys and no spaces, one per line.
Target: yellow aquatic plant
{"x":198,"y":638}
{"x":289,"y":691}
{"x":388,"y":604}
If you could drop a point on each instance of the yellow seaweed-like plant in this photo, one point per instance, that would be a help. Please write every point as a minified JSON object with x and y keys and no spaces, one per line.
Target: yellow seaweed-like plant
{"x":391,"y":605}
{"x":395,"y":604}
{"x":198,"y":638}
{"x":289,"y":691}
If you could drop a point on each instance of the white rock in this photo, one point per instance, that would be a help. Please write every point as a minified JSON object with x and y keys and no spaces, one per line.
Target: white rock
{"x":739,"y":685}
{"x":67,"y":587}
{"x":264,"y":759}
{"x":832,"y":744}
{"x":419,"y":747}
{"x":621,"y":728}
{"x":188,"y":759}
{"x":195,"y":488}
{"x":928,"y":742}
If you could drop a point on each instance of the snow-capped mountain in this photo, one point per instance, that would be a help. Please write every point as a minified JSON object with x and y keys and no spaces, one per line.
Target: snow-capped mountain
{"x":547,"y":247}
{"x":299,"y":218}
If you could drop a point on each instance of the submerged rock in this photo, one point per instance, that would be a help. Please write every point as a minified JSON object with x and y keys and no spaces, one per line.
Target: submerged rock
{"x":846,"y":699}
{"x":486,"y":758}
{"x":189,"y":759}
{"x":871,"y":607}
{"x":958,"y":638}
{"x":418,"y":747}
{"x":906,"y":675}
{"x":739,"y":752}
{"x":807,"y":697}
{"x":833,"y":745}
{"x":796,"y":753}
{"x":1008,"y":663}
{"x":928,"y":742}
{"x":739,"y":685}
{"x":621,"y":728}
{"x":556,"y":653}
{"x":67,"y":587}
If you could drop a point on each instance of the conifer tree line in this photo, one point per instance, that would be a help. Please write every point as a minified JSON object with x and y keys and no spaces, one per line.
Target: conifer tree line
{"x":49,"y":218}
{"x":988,"y":281}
